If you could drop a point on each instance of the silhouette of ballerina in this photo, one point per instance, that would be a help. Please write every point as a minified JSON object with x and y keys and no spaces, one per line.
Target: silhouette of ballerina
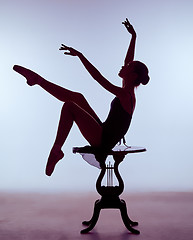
{"x":103,"y":136}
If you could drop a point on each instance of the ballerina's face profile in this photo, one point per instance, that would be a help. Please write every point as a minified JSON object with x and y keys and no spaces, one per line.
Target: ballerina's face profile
{"x":126,"y":70}
{"x":127,"y":73}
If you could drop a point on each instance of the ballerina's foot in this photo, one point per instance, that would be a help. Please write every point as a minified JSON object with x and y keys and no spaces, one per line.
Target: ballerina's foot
{"x":55,"y":156}
{"x":32,"y":77}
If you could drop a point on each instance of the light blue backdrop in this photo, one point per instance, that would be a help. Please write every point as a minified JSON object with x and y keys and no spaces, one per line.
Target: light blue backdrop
{"x":31,"y":34}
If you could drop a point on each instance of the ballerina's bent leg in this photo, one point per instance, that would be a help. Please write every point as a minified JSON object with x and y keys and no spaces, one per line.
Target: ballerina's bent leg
{"x":75,"y":108}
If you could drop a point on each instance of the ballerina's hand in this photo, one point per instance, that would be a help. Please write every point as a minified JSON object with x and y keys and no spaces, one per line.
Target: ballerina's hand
{"x":69,"y":50}
{"x":129,"y":27}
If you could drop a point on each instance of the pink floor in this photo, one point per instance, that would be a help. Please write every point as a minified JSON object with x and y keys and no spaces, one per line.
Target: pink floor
{"x":164,"y":216}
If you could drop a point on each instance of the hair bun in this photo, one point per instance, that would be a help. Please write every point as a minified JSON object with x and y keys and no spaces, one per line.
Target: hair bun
{"x":142,"y":72}
{"x":145,"y":80}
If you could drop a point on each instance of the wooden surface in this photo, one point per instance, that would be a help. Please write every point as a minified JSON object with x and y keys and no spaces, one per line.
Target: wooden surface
{"x":116,"y":150}
{"x":161,"y":216}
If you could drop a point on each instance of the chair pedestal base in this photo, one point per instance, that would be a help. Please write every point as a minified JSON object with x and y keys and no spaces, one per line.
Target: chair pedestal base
{"x":110,"y":202}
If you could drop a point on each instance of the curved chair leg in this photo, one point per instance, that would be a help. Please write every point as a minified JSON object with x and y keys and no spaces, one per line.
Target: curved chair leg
{"x":127,"y":221}
{"x":132,"y":223}
{"x":94,"y":218}
{"x":87,"y":223}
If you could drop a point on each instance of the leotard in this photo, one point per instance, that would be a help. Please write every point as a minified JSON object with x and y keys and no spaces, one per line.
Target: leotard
{"x":116,"y":125}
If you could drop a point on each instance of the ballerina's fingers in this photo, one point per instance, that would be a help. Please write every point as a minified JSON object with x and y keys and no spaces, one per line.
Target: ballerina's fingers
{"x":69,"y":53}
{"x":64,"y":47}
{"x":126,"y":23}
{"x":67,"y":49}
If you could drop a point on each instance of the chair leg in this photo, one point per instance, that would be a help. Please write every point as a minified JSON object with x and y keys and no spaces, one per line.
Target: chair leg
{"x":126,"y":220}
{"x":87,"y":223}
{"x":132,"y":223}
{"x":92,"y":222}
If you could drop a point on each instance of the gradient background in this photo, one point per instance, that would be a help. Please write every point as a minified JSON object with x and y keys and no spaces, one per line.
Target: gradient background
{"x":31,"y":34}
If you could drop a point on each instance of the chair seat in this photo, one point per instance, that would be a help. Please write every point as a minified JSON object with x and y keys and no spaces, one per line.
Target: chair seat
{"x":120,"y":149}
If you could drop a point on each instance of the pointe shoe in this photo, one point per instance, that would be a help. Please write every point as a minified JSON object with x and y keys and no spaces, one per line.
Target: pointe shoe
{"x":32,"y":77}
{"x":53,"y":159}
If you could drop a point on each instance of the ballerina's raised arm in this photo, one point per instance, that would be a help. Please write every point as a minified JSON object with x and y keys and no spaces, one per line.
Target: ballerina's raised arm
{"x":131,"y":50}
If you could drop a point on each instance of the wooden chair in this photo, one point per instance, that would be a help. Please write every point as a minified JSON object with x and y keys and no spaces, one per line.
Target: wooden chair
{"x":110,"y":193}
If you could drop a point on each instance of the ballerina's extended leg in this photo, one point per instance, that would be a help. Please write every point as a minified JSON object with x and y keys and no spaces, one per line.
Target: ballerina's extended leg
{"x":62,"y":94}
